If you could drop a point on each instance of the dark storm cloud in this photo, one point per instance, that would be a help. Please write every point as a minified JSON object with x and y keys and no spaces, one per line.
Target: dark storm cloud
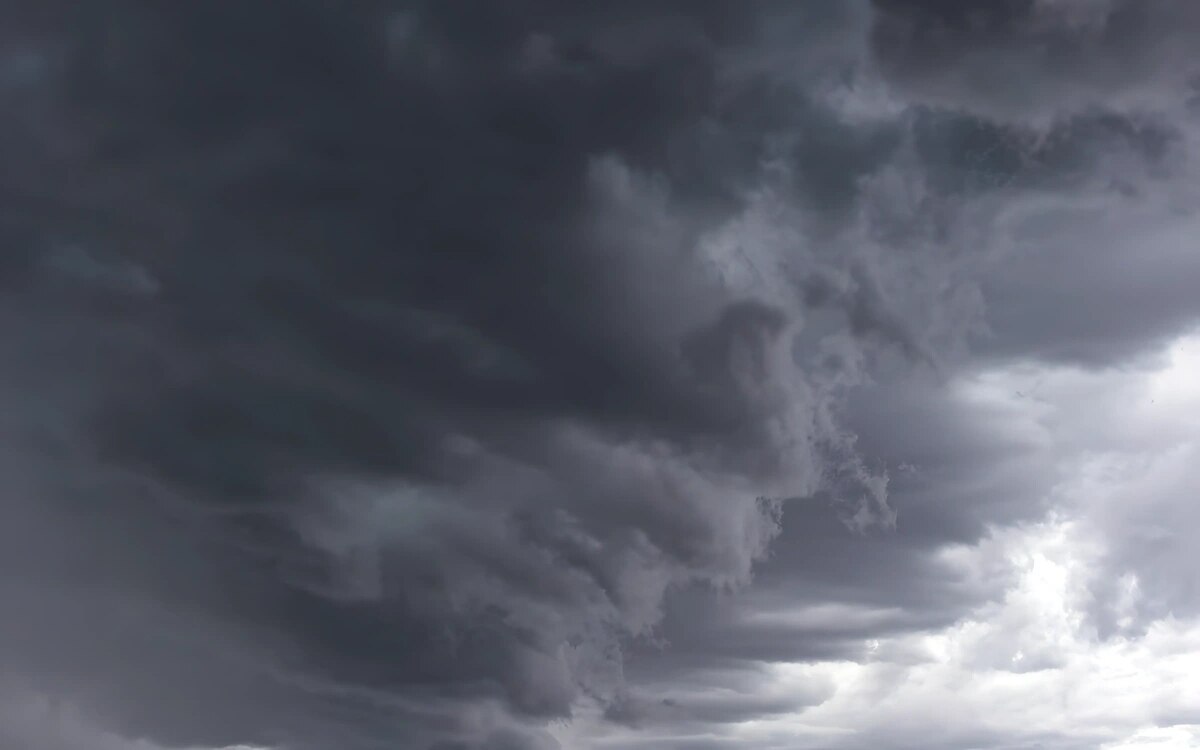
{"x":366,"y":387}
{"x":1017,"y":59}
{"x":1059,"y":97}
{"x":701,"y":700}
{"x":825,"y":592}
{"x":1137,"y":289}
{"x":365,"y":382}
{"x":1073,"y":116}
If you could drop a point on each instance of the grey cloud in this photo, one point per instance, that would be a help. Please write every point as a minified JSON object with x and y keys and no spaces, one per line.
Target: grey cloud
{"x":432,"y":402}
{"x":1041,"y":58}
{"x":825,"y":591}
{"x":914,"y":738}
{"x":1087,"y":296}
{"x":36,"y":722}
{"x":704,"y":700}
{"x":117,"y":276}
{"x":503,"y":740}
{"x":1147,"y":572}
{"x":387,"y":397}
{"x":1076,"y":195}
{"x":858,"y":294}
{"x":1042,"y":100}
{"x":1064,"y":287}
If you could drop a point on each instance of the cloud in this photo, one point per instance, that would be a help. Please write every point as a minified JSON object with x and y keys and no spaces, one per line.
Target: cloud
{"x":447,"y":376}
{"x":408,"y":422}
{"x":1040,"y":59}
{"x":1033,"y":630}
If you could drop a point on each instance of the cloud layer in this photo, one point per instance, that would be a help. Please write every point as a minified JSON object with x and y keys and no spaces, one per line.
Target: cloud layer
{"x":443,"y":375}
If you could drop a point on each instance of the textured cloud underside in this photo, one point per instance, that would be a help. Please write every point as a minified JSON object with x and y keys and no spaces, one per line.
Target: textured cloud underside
{"x":462,"y":375}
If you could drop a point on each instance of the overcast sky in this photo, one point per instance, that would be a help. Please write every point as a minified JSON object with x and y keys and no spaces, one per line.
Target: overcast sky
{"x":543,"y":375}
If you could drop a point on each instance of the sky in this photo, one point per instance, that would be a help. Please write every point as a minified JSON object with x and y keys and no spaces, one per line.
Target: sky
{"x":541,"y":375}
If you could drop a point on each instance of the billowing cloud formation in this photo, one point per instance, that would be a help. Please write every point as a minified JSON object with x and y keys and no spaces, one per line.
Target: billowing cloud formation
{"x":440,"y":375}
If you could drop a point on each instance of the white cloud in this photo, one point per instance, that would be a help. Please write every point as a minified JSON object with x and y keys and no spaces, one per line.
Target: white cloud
{"x":1029,"y":666}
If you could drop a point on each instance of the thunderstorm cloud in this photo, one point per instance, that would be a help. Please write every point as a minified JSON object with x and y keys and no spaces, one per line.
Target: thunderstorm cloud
{"x":535,"y":375}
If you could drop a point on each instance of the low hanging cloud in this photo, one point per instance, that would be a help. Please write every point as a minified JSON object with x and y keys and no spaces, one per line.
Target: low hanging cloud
{"x":450,"y":375}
